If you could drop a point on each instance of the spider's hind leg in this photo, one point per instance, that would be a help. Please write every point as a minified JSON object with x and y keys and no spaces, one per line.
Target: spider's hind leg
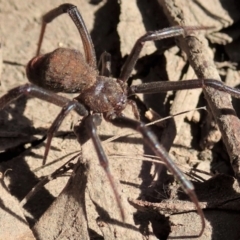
{"x":78,"y":21}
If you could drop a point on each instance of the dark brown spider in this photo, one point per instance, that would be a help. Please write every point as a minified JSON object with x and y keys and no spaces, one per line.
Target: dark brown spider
{"x":66,"y":70}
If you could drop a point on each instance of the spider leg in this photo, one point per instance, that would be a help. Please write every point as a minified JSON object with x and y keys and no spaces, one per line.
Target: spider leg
{"x":56,"y":124}
{"x":105,"y":64}
{"x":156,"y":87}
{"x":43,"y":94}
{"x":153,"y":36}
{"x":32,"y":90}
{"x":90,"y":125}
{"x":38,"y":92}
{"x":78,"y":21}
{"x":134,"y":109}
{"x":151,"y":140}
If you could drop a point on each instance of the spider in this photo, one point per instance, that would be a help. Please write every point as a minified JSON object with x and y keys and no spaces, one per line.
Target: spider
{"x":66,"y":70}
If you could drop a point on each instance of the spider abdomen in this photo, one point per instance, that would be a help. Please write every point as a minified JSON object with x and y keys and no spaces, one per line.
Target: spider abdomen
{"x":63,"y":70}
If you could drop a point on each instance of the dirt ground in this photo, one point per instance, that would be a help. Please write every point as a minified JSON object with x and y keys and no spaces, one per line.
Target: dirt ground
{"x":85,"y":207}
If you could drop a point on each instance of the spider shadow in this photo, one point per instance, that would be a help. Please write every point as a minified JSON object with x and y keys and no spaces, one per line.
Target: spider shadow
{"x":220,"y":161}
{"x":218,"y":191}
{"x":22,"y":179}
{"x":19,"y":132}
{"x":13,"y":119}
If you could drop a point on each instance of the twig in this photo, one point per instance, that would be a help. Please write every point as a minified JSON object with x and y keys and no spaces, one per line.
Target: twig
{"x":201,"y":60}
{"x":176,"y":206}
{"x":166,"y":207}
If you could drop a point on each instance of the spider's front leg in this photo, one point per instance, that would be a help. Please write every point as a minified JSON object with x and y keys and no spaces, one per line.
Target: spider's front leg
{"x":89,"y":124}
{"x":71,"y":105}
{"x":151,"y":140}
{"x":215,"y":101}
{"x":164,"y":86}
{"x":48,"y":96}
